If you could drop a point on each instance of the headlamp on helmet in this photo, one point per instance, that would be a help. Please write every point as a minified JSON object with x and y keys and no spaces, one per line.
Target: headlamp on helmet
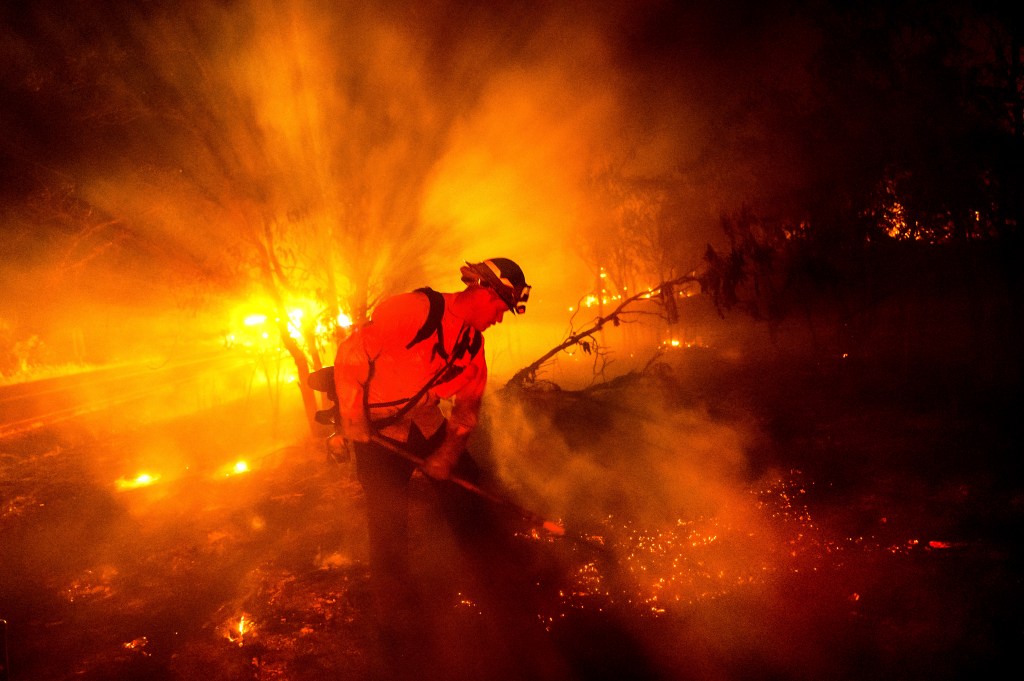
{"x":504,"y":277}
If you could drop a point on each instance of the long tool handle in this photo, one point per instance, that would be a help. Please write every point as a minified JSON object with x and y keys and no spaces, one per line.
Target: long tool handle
{"x":548,"y":525}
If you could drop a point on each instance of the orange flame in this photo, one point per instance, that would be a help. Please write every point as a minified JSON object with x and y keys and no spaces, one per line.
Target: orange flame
{"x":141,"y":480}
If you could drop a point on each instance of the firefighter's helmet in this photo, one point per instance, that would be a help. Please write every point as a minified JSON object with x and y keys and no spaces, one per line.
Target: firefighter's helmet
{"x":503,"y":276}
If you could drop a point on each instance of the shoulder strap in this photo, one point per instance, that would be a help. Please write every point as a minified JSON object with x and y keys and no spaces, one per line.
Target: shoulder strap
{"x":432,"y":324}
{"x":469,"y":341}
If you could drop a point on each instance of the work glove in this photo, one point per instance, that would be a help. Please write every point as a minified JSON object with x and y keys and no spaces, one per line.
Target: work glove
{"x":339,"y":450}
{"x":340,"y":447}
{"x":355,"y":430}
{"x":439,"y":465}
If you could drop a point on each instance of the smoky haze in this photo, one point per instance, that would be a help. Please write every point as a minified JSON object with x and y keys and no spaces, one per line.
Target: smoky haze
{"x":175,"y":174}
{"x":149,"y":148}
{"x":155,"y":149}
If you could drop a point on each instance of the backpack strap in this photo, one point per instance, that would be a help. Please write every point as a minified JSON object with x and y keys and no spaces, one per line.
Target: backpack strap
{"x":469,"y":341}
{"x":432,"y":324}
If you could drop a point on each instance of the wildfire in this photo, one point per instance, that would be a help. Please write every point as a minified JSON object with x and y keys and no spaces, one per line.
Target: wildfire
{"x":236,"y":633}
{"x":466,"y":603}
{"x":240,"y":467}
{"x":655,"y":571}
{"x":141,"y":480}
{"x":137,"y":644}
{"x":675,"y":343}
{"x":606,"y":297}
{"x":303,"y":321}
{"x":663,"y":571}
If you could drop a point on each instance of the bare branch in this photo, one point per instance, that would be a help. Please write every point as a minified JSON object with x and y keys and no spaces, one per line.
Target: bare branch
{"x":528,"y":373}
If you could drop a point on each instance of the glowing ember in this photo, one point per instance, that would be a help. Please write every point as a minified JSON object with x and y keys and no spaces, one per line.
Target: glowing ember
{"x":239,"y":467}
{"x":465,"y":603}
{"x":137,"y":644}
{"x":141,"y":480}
{"x":236,"y":633}
{"x":91,"y":585}
{"x":654,"y":571}
{"x":554,"y":528}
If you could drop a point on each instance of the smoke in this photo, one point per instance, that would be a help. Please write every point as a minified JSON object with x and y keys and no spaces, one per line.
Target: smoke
{"x":631,"y":454}
{"x":152,"y":146}
{"x":708,"y":558}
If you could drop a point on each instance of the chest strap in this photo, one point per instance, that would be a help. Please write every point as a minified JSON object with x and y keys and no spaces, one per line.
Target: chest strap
{"x":469,"y":341}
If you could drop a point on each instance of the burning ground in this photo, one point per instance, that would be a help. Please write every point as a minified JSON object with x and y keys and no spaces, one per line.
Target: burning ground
{"x":792,"y":504}
{"x":727,"y":518}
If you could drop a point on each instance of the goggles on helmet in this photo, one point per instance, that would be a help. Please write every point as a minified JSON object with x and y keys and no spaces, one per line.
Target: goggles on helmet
{"x":502,"y":276}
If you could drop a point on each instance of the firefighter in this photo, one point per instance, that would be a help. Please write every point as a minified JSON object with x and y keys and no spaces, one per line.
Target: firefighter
{"x":419,"y":351}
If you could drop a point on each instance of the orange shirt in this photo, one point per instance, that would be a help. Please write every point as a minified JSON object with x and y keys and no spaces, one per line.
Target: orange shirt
{"x":399,"y":373}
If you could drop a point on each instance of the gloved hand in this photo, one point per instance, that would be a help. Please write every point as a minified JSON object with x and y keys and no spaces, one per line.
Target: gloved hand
{"x":438,"y":466}
{"x":339,"y":450}
{"x":355,"y":430}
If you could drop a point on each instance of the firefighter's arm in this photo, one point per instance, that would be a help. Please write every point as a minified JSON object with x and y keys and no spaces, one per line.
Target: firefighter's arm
{"x":351,"y":370}
{"x":461,"y":424}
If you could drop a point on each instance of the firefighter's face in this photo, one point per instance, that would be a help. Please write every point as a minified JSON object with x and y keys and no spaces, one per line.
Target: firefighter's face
{"x":488,"y":308}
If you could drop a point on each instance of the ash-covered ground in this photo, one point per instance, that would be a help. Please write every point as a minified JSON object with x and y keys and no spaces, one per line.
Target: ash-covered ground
{"x":730,"y":516}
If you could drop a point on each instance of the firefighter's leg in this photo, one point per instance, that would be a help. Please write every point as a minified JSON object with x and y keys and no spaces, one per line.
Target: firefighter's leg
{"x":384,"y":478}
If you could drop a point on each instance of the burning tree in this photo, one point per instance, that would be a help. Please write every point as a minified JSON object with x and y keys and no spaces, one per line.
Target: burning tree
{"x":641,"y":235}
{"x":223,"y":154}
{"x":662,"y":297}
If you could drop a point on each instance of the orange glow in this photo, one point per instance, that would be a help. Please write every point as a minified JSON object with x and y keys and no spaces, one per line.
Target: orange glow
{"x":141,"y":480}
{"x":295,"y":316}
{"x":303,"y":321}
{"x":137,"y":644}
{"x":238,"y":468}
{"x":553,"y":528}
{"x":236,"y":633}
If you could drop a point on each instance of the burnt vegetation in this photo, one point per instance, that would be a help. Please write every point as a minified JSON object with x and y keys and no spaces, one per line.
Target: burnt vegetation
{"x":828,"y":481}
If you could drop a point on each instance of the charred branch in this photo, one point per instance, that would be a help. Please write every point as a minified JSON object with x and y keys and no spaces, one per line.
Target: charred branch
{"x":586,"y":337}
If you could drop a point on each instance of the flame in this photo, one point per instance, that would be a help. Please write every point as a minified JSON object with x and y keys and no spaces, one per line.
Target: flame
{"x":468,"y":603}
{"x":141,"y":480}
{"x":295,"y":316}
{"x":554,"y":528}
{"x":137,"y":644}
{"x":303,"y":320}
{"x":236,"y":633}
{"x":239,"y":467}
{"x":255,"y":319}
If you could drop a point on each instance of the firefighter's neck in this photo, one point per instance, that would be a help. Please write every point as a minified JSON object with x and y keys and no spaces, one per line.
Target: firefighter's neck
{"x":465,"y":302}
{"x":473,"y":306}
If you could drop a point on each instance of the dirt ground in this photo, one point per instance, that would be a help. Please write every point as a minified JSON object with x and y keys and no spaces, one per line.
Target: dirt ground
{"x":729,"y":517}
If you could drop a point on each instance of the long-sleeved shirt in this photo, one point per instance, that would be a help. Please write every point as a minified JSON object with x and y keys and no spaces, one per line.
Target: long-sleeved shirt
{"x":376,"y":355}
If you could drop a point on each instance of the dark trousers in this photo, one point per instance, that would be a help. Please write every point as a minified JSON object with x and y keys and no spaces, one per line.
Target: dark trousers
{"x":488,"y":567}
{"x":384,"y":477}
